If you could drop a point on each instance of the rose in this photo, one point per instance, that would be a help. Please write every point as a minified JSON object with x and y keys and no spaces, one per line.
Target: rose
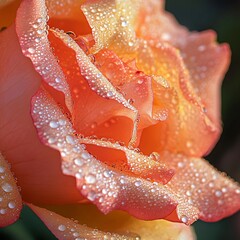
{"x":126,"y":81}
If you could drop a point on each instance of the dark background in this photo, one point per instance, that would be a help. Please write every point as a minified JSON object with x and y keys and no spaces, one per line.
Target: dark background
{"x":223,"y":17}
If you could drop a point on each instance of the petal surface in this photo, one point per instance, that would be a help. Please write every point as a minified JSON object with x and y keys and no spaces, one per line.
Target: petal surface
{"x":66,"y":229}
{"x":106,"y":187}
{"x":37,"y":167}
{"x":206,"y":60}
{"x":200,"y":185}
{"x":10,"y":198}
{"x":31,"y":27}
{"x":121,"y":222}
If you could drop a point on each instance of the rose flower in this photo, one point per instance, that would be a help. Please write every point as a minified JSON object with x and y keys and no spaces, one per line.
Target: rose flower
{"x":111,"y":103}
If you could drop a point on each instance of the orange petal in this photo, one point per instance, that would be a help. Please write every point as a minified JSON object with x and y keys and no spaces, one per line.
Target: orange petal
{"x":8,"y":9}
{"x":139,"y":164}
{"x":199,"y":185}
{"x":66,"y":229}
{"x":112,"y":23}
{"x":97,"y":81}
{"x":31,"y":27}
{"x":173,"y":93}
{"x":36,"y":166}
{"x":67,"y":16}
{"x":10,"y":198}
{"x":207,"y":63}
{"x":206,"y":60}
{"x":107,"y":188}
{"x":92,"y":114}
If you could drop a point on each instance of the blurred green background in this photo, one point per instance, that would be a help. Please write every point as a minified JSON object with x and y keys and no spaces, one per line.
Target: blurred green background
{"x":224,"y":17}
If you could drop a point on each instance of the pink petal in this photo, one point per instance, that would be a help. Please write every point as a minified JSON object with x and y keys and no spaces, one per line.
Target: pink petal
{"x":31,"y":26}
{"x":66,"y":229}
{"x":199,"y":185}
{"x":105,"y":187}
{"x":10,"y":198}
{"x":37,"y":167}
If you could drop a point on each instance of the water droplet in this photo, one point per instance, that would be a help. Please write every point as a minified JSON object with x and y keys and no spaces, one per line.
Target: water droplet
{"x":107,"y":173}
{"x":85,"y":155}
{"x":109,"y":94}
{"x":2,"y":169}
{"x":124,"y":23}
{"x":3,"y":211}
{"x":184,"y":219}
{"x":7,"y":187}
{"x":61,"y":227}
{"x":51,"y":140}
{"x":62,"y":122}
{"x":201,"y":48}
{"x":70,"y":139}
{"x":91,"y":196}
{"x":90,"y":179}
{"x":57,"y":80}
{"x":138,"y":183}
{"x":78,"y":161}
{"x":11,"y":205}
{"x":218,"y":193}
{"x":31,"y":50}
{"x":53,"y":124}
{"x":180,"y":164}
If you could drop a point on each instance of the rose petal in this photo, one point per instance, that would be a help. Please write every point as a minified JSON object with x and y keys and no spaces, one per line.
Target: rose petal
{"x":36,"y":166}
{"x":121,"y":222}
{"x":112,"y":22}
{"x":67,"y":15}
{"x":97,"y":81}
{"x":91,"y":114}
{"x":206,"y":61}
{"x":31,"y":27}
{"x":198,"y":184}
{"x":10,"y":198}
{"x":8,"y":11}
{"x":105,"y":187}
{"x":66,"y":229}
{"x":141,"y":165}
{"x":173,"y":93}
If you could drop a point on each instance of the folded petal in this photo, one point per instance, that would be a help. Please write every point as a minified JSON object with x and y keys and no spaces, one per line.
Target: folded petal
{"x":112,"y":23}
{"x":174,"y":94}
{"x":98,"y":82}
{"x":10,"y":198}
{"x":67,"y":15}
{"x":200,"y":185}
{"x":106,"y":187}
{"x":206,"y":60}
{"x":67,"y":229}
{"x":36,"y":166}
{"x":31,"y":27}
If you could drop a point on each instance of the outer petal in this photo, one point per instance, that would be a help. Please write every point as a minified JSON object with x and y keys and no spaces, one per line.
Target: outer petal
{"x":31,"y":26}
{"x":66,"y":229}
{"x":199,"y":185}
{"x":121,"y":222}
{"x":10,"y":198}
{"x":174,"y":94}
{"x":107,"y":188}
{"x":206,"y":61}
{"x":36,"y":166}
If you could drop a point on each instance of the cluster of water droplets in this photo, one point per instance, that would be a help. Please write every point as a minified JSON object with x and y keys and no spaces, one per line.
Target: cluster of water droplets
{"x":8,"y":189}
